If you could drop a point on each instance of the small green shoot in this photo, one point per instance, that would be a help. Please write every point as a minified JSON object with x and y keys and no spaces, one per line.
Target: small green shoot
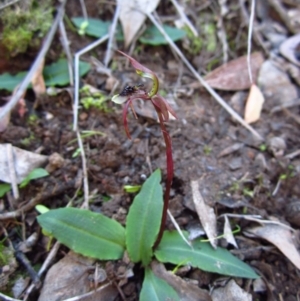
{"x":76,"y":153}
{"x":263,"y":147}
{"x":207,"y":150}
{"x":4,"y":188}
{"x":33,"y":175}
{"x":223,"y":235}
{"x":132,"y":189}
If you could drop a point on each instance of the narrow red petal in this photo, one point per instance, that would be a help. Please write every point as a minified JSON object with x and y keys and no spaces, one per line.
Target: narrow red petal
{"x":136,"y":64}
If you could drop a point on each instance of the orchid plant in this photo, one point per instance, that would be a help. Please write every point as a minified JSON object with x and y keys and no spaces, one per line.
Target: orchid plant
{"x":162,"y":108}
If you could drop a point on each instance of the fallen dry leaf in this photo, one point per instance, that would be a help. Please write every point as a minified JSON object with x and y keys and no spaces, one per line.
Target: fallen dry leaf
{"x":133,"y":14}
{"x":234,"y":76}
{"x":281,"y":237}
{"x":37,"y":81}
{"x":228,"y":233}
{"x":24,"y":162}
{"x":185,"y":290}
{"x":254,"y":105}
{"x":206,"y":214}
{"x":230,"y":292}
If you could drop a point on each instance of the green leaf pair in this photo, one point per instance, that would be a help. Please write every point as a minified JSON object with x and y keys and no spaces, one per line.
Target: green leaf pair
{"x":152,"y":36}
{"x":56,"y":74}
{"x":98,"y":236}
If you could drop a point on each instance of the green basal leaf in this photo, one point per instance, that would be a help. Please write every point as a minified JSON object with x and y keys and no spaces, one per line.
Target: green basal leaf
{"x":143,"y":220}
{"x":156,"y":289}
{"x":152,"y":35}
{"x":4,"y":188}
{"x":57,"y":74}
{"x":96,"y":27}
{"x":174,"y":250}
{"x":85,"y":232}
{"x":34,"y":174}
{"x":9,"y":82}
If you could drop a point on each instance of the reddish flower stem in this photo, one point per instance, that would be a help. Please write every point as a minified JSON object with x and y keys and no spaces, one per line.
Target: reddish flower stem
{"x":170,"y":172}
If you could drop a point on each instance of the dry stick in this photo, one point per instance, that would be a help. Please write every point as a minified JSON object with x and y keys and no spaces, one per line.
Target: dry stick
{"x":257,"y":37}
{"x":8,"y":3}
{"x":112,"y":31}
{"x":47,"y":42}
{"x":12,"y":170}
{"x":65,"y":43}
{"x":250,"y":30}
{"x":44,"y":267}
{"x":185,"y":19}
{"x":83,"y":8}
{"x":277,"y":5}
{"x":222,"y":37}
{"x":203,"y":82}
{"x":76,"y":78}
{"x":85,"y":204}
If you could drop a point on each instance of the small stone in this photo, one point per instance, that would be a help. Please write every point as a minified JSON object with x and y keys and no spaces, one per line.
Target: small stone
{"x":260,"y":162}
{"x":235,"y":163}
{"x":277,"y":146}
{"x":83,"y":116}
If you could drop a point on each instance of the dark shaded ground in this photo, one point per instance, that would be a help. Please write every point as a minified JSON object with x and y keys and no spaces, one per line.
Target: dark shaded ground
{"x":202,"y":131}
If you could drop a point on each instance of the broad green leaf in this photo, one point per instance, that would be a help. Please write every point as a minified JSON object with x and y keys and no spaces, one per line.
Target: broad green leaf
{"x":152,"y":35}
{"x":174,"y":250}
{"x":143,"y":220}
{"x":85,"y":232}
{"x":34,"y":174}
{"x":156,"y":289}
{"x":9,"y":82}
{"x":96,"y":27}
{"x":4,"y":188}
{"x":57,"y":74}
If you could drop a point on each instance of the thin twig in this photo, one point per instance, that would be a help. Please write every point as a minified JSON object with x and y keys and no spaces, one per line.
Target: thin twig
{"x":39,"y":198}
{"x":47,"y":42}
{"x":83,"y":8}
{"x":12,"y":170}
{"x":65,"y":43}
{"x":6,"y":298}
{"x":112,"y":32}
{"x":203,"y":82}
{"x":44,"y":267}
{"x":250,"y":30}
{"x":185,"y":19}
{"x":85,"y":204}
{"x":77,"y":79}
{"x":178,"y":228}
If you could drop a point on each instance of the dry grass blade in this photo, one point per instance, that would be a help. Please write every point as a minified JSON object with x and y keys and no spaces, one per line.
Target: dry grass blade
{"x":205,"y":213}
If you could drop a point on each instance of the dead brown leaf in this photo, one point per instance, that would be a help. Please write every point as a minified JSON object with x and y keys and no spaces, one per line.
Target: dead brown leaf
{"x":37,"y":81}
{"x":280,"y":236}
{"x":234,"y":76}
{"x":206,"y":214}
{"x":254,"y":105}
{"x":185,"y":290}
{"x":133,"y":14}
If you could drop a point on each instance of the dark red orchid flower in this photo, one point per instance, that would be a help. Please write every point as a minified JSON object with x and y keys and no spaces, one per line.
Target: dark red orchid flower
{"x":162,"y":108}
